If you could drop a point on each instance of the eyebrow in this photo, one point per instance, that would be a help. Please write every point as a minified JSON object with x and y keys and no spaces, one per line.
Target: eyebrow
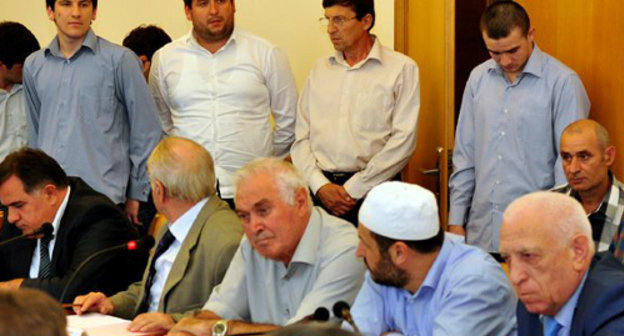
{"x":508,"y":51}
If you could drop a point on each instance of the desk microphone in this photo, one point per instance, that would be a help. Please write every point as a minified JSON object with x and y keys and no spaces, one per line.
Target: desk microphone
{"x":143,"y":244}
{"x":46,"y":230}
{"x":321,"y":314}
{"x":343,"y":310}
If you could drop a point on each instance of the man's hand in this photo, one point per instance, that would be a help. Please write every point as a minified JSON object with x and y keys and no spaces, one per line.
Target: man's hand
{"x":335,"y":198}
{"x":152,"y":322}
{"x":93,"y":302}
{"x":193,"y":326}
{"x":132,"y":210}
{"x":11,"y":284}
{"x":457,"y":229}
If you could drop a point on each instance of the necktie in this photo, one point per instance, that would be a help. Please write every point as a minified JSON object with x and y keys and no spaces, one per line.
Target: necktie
{"x":552,"y":327}
{"x":45,"y":266}
{"x":164,"y":243}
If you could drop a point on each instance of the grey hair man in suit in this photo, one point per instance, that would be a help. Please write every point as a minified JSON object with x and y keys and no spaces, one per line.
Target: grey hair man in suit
{"x":194,"y":249}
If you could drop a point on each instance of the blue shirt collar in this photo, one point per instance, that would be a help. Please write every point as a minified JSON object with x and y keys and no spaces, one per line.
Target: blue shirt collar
{"x":437,"y":269}
{"x":90,"y":42}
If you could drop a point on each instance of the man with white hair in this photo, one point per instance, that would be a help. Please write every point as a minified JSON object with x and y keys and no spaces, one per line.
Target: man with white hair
{"x":421,"y":281}
{"x":194,"y":248}
{"x":546,"y":240}
{"x":293,"y":259}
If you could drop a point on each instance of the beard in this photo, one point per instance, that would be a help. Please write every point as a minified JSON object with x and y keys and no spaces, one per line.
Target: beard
{"x":387,"y":274}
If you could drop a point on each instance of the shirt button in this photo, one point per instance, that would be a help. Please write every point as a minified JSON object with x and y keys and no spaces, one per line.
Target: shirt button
{"x":497,"y":182}
{"x":500,"y":157}
{"x":503,"y":133}
{"x":505,"y":110}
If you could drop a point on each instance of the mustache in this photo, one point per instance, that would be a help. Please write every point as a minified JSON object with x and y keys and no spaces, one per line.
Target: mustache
{"x":262,"y":235}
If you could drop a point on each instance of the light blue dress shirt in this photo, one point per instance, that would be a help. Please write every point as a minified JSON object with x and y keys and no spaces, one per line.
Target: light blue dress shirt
{"x":507,"y":140}
{"x":565,"y":315}
{"x":94,"y":114}
{"x":464,"y":293}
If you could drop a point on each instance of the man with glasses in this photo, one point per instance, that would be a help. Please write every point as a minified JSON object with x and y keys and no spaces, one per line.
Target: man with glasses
{"x":357,"y":115}
{"x":218,"y":86}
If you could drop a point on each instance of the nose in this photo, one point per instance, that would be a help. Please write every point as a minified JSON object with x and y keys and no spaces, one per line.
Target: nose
{"x":256,"y":224}
{"x":212,"y":7}
{"x":574,"y":165}
{"x":331,"y":27}
{"x":75,"y":9}
{"x":505,"y":60}
{"x":13,"y":216}
{"x":517,"y":275}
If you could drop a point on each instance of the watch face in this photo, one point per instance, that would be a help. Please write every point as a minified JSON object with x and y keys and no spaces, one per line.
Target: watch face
{"x":219,"y":328}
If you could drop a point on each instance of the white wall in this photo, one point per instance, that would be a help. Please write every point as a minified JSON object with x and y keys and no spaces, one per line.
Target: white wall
{"x":292,"y":24}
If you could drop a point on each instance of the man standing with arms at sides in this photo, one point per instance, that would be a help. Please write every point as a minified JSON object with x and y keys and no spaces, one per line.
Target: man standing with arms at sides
{"x":219,"y":86}
{"x":358,"y":112}
{"x":88,"y":106}
{"x":514,"y":108}
{"x":16,"y":43}
{"x":194,"y":248}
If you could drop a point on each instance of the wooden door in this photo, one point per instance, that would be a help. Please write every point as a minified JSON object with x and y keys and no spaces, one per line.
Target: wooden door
{"x":424,"y":30}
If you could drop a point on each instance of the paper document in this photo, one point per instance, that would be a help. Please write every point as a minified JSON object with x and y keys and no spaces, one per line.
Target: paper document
{"x":94,"y":324}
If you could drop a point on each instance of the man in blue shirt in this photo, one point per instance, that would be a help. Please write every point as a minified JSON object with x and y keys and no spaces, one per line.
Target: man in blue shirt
{"x":514,"y":108}
{"x":421,"y":281}
{"x":88,"y":106}
{"x":546,"y":240}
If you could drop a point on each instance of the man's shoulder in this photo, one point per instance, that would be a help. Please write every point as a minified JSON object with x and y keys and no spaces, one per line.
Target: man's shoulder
{"x":562,"y":188}
{"x":554,"y":67}
{"x":396,"y":57}
{"x":218,"y":222}
{"x":84,"y":201}
{"x":336,"y":233}
{"x":465,"y":261}
{"x":254,"y":40}
{"x":34,"y":60}
{"x":110,"y":49}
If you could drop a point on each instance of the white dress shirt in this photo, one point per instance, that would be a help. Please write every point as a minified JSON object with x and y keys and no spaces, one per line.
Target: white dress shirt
{"x":359,"y":119}
{"x":13,"y":130}
{"x":224,"y":100}
{"x":56,"y":223}
{"x":179,"y":229}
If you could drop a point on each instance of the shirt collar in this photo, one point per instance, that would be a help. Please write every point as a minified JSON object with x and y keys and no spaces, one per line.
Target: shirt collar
{"x":89,"y":42}
{"x":180,"y":228}
{"x":437,"y":269}
{"x":309,"y":244}
{"x":533,"y":66}
{"x":612,"y":197}
{"x":566,"y":313}
{"x":56,"y":223}
{"x":192,"y":41}
{"x":374,"y":54}
{"x":14,"y":89}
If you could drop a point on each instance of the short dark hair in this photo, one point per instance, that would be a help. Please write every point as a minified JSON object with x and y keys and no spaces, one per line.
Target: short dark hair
{"x":31,"y":312}
{"x":421,"y":246}
{"x":16,"y":43}
{"x":34,"y":168}
{"x":50,"y":3}
{"x":501,"y":17}
{"x":145,"y":40}
{"x":360,"y":7}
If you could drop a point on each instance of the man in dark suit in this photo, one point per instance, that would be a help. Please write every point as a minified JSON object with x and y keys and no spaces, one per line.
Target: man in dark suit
{"x":204,"y":235}
{"x":36,"y":190}
{"x":546,"y":240}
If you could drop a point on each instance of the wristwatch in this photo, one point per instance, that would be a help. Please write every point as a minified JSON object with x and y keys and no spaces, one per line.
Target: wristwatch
{"x":220,"y":328}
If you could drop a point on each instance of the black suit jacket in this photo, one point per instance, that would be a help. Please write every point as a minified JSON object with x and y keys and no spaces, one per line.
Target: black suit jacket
{"x":600,"y":308}
{"x":91,"y":222}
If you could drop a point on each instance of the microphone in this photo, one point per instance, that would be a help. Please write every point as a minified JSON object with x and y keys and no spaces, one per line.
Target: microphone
{"x":321,"y":314}
{"x":343,"y":310}
{"x":142,"y":244}
{"x":46,"y":230}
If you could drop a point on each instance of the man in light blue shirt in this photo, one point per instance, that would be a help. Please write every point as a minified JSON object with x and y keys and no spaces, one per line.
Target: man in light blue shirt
{"x":88,"y":106}
{"x":513,"y":111}
{"x":421,"y":281}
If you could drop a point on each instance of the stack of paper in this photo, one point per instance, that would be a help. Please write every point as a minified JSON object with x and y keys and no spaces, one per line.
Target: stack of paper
{"x":94,"y":324}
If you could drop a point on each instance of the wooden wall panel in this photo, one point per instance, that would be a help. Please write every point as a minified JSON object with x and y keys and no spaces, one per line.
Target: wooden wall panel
{"x":588,"y":36}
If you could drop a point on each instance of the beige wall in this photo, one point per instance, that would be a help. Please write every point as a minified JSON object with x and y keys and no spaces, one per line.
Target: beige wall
{"x":292,"y":24}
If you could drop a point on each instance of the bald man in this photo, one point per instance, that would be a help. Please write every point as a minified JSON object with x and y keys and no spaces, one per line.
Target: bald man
{"x":546,"y":241}
{"x":587,"y":155}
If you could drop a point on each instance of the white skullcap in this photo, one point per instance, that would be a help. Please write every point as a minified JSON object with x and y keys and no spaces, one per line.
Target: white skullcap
{"x":401,"y":211}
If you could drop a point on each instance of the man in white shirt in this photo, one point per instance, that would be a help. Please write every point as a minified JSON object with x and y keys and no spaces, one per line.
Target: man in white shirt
{"x":219,"y":86}
{"x":16,"y":42}
{"x":358,"y":112}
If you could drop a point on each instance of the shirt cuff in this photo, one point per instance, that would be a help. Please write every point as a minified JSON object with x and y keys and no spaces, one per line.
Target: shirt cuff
{"x":317,"y":180}
{"x":138,"y":190}
{"x":457,"y":215}
{"x":355,"y":187}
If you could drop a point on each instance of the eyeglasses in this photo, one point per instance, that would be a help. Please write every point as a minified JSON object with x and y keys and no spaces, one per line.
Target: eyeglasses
{"x":337,"y":21}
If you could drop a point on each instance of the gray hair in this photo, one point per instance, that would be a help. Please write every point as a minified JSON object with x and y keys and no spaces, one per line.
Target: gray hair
{"x":561,"y":211}
{"x":184,"y":167}
{"x":580,"y":125}
{"x":288,"y":178}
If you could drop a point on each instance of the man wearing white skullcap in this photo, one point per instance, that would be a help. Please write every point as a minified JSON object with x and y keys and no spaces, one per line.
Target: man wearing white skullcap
{"x":421,"y":281}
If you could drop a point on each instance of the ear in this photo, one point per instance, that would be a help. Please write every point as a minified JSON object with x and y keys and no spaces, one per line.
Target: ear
{"x":50,"y":12}
{"x":94,"y":14}
{"x":158,"y":191}
{"x":581,"y":251}
{"x":145,"y":63}
{"x":398,"y":253}
{"x":50,"y":194}
{"x":187,"y":11}
{"x":367,"y":20}
{"x":609,"y":154}
{"x":531,"y":34}
{"x":301,"y":200}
